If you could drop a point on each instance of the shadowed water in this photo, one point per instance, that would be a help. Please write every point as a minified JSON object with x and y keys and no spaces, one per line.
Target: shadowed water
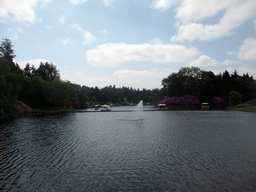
{"x":166,"y":151}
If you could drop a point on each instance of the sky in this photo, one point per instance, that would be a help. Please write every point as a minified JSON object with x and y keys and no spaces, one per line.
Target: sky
{"x":132,"y":43}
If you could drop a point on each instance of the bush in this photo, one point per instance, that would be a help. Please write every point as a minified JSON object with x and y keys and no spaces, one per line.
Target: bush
{"x":218,"y":103}
{"x":188,"y":101}
{"x":235,"y":97}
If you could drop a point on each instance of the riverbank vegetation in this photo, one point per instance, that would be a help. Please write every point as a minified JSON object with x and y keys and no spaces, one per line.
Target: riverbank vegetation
{"x":220,"y":91}
{"x":35,"y":91}
{"x":249,"y":106}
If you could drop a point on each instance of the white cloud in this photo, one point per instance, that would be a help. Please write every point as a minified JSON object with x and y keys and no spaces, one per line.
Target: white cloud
{"x":164,"y":4}
{"x":20,"y":30}
{"x":156,"y":41}
{"x":62,"y":19}
{"x":113,"y":54}
{"x":149,"y":79}
{"x":206,"y":61}
{"x":36,"y":62}
{"x":191,"y":14}
{"x":254,"y":22}
{"x":247,"y":51}
{"x":203,"y":61}
{"x":107,"y":2}
{"x":76,"y":2}
{"x":48,"y":27}
{"x":67,"y":41}
{"x":196,"y":10}
{"x":46,"y":1}
{"x":14,"y":37}
{"x":250,"y":70}
{"x":88,"y":37}
{"x":230,"y":53}
{"x":19,"y":10}
{"x":229,"y":62}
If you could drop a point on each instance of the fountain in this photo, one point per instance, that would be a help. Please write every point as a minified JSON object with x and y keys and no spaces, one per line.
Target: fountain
{"x":139,"y":111}
{"x":136,"y":114}
{"x":139,"y":107}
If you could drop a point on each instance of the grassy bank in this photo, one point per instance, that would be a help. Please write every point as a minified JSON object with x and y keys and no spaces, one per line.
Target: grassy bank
{"x":249,"y":106}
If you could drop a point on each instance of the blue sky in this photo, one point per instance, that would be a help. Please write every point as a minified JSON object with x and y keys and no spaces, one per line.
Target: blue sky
{"x":133,"y":43}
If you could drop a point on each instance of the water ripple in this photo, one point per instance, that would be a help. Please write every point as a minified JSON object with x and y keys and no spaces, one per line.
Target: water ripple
{"x":166,"y":151}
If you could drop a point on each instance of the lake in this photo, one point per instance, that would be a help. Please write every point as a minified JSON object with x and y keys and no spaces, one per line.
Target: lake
{"x":130,"y":151}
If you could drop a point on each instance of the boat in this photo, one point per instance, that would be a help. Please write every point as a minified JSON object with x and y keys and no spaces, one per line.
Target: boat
{"x":105,"y":108}
{"x":205,"y":106}
{"x":161,"y":107}
{"x":96,"y":107}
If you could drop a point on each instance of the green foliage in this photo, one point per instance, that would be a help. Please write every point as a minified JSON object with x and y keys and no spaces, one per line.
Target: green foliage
{"x":205,"y":85}
{"x":47,"y":71}
{"x":156,"y":94}
{"x":248,"y":106}
{"x":9,"y":87}
{"x":29,"y":71}
{"x":252,"y":102}
{"x":6,"y":50}
{"x":235,"y":97}
{"x":186,"y":81}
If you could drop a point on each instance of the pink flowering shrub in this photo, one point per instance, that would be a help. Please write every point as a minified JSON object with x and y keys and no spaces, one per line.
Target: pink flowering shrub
{"x":218,"y":103}
{"x":23,"y":108}
{"x":76,"y":105}
{"x":188,"y":101}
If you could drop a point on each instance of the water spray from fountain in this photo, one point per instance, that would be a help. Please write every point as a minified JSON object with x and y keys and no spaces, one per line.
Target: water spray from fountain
{"x":139,"y":110}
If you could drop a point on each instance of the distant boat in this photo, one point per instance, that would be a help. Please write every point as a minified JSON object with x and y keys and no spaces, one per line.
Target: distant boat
{"x":105,"y":108}
{"x":205,"y":106}
{"x":96,"y":107}
{"x":161,"y":107}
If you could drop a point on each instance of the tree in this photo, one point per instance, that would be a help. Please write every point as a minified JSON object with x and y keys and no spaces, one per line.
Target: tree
{"x":207,"y":86}
{"x":235,"y":97}
{"x":186,"y":81}
{"x":9,"y":88}
{"x":6,"y":49}
{"x":29,"y":71}
{"x":47,"y":71}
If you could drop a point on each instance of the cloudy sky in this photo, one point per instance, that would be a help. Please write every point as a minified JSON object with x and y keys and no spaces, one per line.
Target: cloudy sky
{"x":133,"y":43}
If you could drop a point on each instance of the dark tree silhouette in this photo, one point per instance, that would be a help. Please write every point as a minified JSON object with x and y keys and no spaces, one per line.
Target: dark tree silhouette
{"x":6,"y":49}
{"x":47,"y":71}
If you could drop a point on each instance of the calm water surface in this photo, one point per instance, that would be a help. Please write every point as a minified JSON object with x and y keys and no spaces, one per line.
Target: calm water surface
{"x":127,"y":151}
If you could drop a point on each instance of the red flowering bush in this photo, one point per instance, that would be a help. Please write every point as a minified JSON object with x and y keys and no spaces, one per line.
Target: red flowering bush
{"x":218,"y":103}
{"x":23,"y":108}
{"x":188,"y":101}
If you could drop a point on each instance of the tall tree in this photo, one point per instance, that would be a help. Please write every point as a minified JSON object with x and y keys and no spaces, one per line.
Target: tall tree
{"x":47,"y":71}
{"x":29,"y":71}
{"x":6,"y":49}
{"x":186,"y":81}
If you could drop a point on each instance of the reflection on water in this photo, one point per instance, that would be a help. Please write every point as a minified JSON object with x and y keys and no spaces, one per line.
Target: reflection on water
{"x":163,"y":151}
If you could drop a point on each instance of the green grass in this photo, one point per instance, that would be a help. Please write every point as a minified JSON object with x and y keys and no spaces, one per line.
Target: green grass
{"x":249,"y":106}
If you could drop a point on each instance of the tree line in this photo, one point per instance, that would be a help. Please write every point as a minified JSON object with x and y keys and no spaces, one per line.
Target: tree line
{"x":208,"y":87}
{"x":42,"y":88}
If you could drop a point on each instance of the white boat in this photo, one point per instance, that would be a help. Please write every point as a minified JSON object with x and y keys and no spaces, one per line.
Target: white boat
{"x":205,"y":106}
{"x":105,"y":108}
{"x":161,"y":107}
